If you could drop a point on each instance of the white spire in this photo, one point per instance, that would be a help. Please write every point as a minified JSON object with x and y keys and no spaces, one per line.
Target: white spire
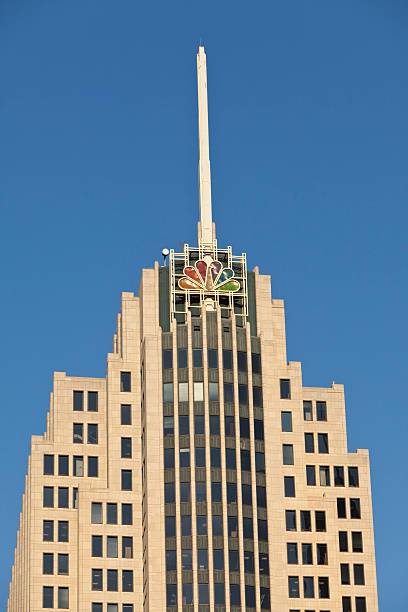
{"x":206,"y":230}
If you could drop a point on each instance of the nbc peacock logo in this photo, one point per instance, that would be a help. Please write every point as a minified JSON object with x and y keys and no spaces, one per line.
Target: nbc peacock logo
{"x":208,"y":275}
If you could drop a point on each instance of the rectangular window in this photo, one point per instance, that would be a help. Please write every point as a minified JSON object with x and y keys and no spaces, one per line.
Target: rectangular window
{"x":256,"y":363}
{"x":167,"y":359}
{"x":184,"y":425}
{"x":48,"y":531}
{"x":322,"y":556}
{"x":212,"y":358}
{"x":125,"y":414}
{"x":323,"y":587}
{"x":168,"y":392}
{"x":308,"y":587}
{"x":168,"y":426}
{"x":63,"y":564}
{"x":78,"y":433}
{"x":97,"y":546}
{"x":257,"y":396}
{"x":63,"y":531}
{"x":97,"y":584}
{"x":286,"y":421}
{"x":48,"y":465}
{"x":287,"y":451}
{"x":242,"y":361}
{"x":48,"y":597}
{"x":284,"y":388}
{"x":198,"y":388}
{"x":93,"y":467}
{"x":97,"y":607}
{"x":48,"y":497}
{"x":63,"y":598}
{"x":346,"y":604}
{"x":293,"y":586}
{"x":127,"y":581}
{"x":125,"y":382}
{"x":92,"y":433}
{"x":243,"y":427}
{"x":345,"y":573}
{"x":341,"y":507}
{"x":357,"y":541}
{"x":262,"y":530}
{"x":264,"y":564}
{"x":199,"y":424}
{"x":48,"y":563}
{"x":311,"y":475}
{"x":259,"y":429}
{"x":292,"y":553}
{"x":324,"y":473}
{"x":92,"y":401}
{"x":183,"y":392}
{"x":260,"y":462}
{"x":361,"y":604}
{"x":78,"y":400}
{"x":197,"y":358}
{"x":184,"y":457}
{"x":227,"y":359}
{"x":261,"y":496}
{"x":320,"y":520}
{"x":290,"y":520}
{"x":112,"y":607}
{"x":307,"y":411}
{"x":228,"y":393}
{"x":323,"y":443}
{"x":321,"y":411}
{"x":243,"y":395}
{"x":75,"y":497}
{"x":358,"y":570}
{"x":307,"y":554}
{"x":112,"y":514}
{"x":309,"y":443}
{"x":338,"y":476}
{"x":112,"y":580}
{"x":343,"y":541}
{"x":214,"y":425}
{"x":213,"y":391}
{"x":289,"y":486}
{"x":182,"y":358}
{"x":127,"y":547}
{"x":126,"y":448}
{"x":112,"y":547}
{"x":127,"y":514}
{"x":305,"y":520}
{"x":63,"y":465}
{"x":355,"y":510}
{"x":353,"y":480}
{"x":78,"y":466}
{"x":126,"y":480}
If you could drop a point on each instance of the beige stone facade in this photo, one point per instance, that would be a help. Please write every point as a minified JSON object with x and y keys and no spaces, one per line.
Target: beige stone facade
{"x":184,"y":479}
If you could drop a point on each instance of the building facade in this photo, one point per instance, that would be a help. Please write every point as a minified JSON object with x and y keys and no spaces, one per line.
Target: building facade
{"x":200,"y":474}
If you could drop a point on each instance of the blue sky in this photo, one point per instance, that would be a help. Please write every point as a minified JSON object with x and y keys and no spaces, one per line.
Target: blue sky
{"x":98,"y":172}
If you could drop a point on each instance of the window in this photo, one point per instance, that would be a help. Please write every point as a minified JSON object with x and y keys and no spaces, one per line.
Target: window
{"x":184,"y":457}
{"x":341,"y":507}
{"x":262,"y":530}
{"x":305,"y":520}
{"x":353,"y":477}
{"x":92,"y":433}
{"x":127,"y":515}
{"x":48,"y":563}
{"x":228,"y":393}
{"x":307,"y":555}
{"x":201,"y":491}
{"x":261,"y":496}
{"x":289,"y":486}
{"x":112,"y":547}
{"x":97,"y":607}
{"x":212,"y":358}
{"x":256,"y":363}
{"x":323,"y":443}
{"x":324,"y":473}
{"x":171,"y":560}
{"x":227,"y":359}
{"x":97,"y":546}
{"x":323,"y":587}
{"x":167,"y":392}
{"x":218,"y":557}
{"x":112,"y":514}
{"x":200,"y":457}
{"x":126,"y":480}
{"x":245,"y":460}
{"x":309,"y":443}
{"x":63,"y":598}
{"x":235,"y":594}
{"x":308,"y":587}
{"x":186,"y":525}
{"x":322,"y":556}
{"x":126,"y":608}
{"x":214,"y":425}
{"x":260,"y":462}
{"x":187,"y":591}
{"x":361,"y":604}
{"x":293,"y":586}
{"x":202,"y":559}
{"x":185,"y":495}
{"x":171,"y":594}
{"x":63,"y":469}
{"x":215,"y":456}
{"x":198,"y":392}
{"x":243,"y":394}
{"x":258,"y":429}
{"x":355,"y":510}
{"x":264,"y":564}
{"x":125,"y":382}
{"x":246,"y":494}
{"x":125,"y":414}
{"x":197,"y":358}
{"x":233,"y":557}
{"x":345,"y":573}
{"x":63,"y":531}
{"x":216,"y":492}
{"x":244,"y":427}
{"x":126,"y":448}
{"x":213,"y":391}
{"x":93,"y":467}
{"x":357,"y":541}
{"x":338,"y":476}
{"x":287,"y":451}
{"x":249,"y":562}
{"x":230,"y":459}
{"x":203,"y":594}
{"x":184,"y":425}
{"x":78,"y":466}
{"x":170,"y":526}
{"x":265,"y":598}
{"x":48,"y":531}
{"x":286,"y":420}
{"x":48,"y":497}
{"x":231,"y":493}
{"x":257,"y":396}
{"x":346,"y":603}
{"x":321,"y":411}
{"x":112,"y":580}
{"x":249,"y":596}
{"x":202,"y":525}
{"x":49,"y":465}
{"x":242,"y":361}
{"x":78,"y":433}
{"x":307,"y":411}
{"x":284,"y":388}
{"x":127,"y":581}
{"x":292,"y":553}
{"x":310,"y":475}
{"x":168,"y":426}
{"x":358,"y":570}
{"x":112,"y":607}
{"x":290,"y":520}
{"x":186,"y":559}
{"x":169,"y":493}
{"x":48,"y":597}
{"x":248,"y":528}
{"x":219,"y":593}
{"x":343,"y":541}
{"x":320,"y":520}
{"x":92,"y":401}
{"x":182,"y":358}
{"x":167,"y":359}
{"x":63,"y":564}
{"x":78,"y":400}
{"x":183,"y":392}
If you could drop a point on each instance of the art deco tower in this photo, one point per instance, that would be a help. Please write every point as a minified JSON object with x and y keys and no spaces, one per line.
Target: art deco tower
{"x":199,"y":474}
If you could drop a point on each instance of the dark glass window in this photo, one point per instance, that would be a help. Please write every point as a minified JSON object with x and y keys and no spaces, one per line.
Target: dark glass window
{"x":245,"y":460}
{"x":168,"y":392}
{"x":112,"y":580}
{"x":246,"y":494}
{"x":92,"y":401}
{"x":228,"y":393}
{"x":167,"y":359}
{"x":215,"y":455}
{"x":170,"y":526}
{"x":125,"y":414}
{"x":127,"y":515}
{"x":244,"y":427}
{"x":201,"y":525}
{"x":49,"y":465}
{"x":48,"y":563}
{"x":63,"y":564}
{"x":48,"y":531}
{"x":322,"y":556}
{"x":216,"y":492}
{"x":261,"y":496}
{"x":262,"y":530}
{"x":361,"y":604}
{"x":256,"y":363}
{"x":201,"y":491}
{"x":63,"y":501}
{"x":235,"y":594}
{"x":186,"y":559}
{"x":357,"y":541}
{"x":184,"y":457}
{"x":308,"y":587}
{"x":92,"y":433}
{"x":200,"y":457}
{"x":341,"y":507}
{"x":198,"y":424}
{"x":212,"y":358}
{"x":78,"y":433}
{"x":63,"y":531}
{"x":233,"y":556}
{"x":307,"y":554}
{"x":213,"y":391}
{"x":338,"y":476}
{"x":320,"y":520}
{"x":355,"y":510}
{"x":125,"y":381}
{"x":353,"y":477}
{"x":171,"y":594}
{"x":260,"y":462}
{"x":78,"y":400}
{"x":97,"y":607}
{"x":265,"y":598}
{"x":343,"y":541}
{"x":168,"y":426}
{"x":227,"y":359}
{"x":258,"y":429}
{"x":231,"y":493}
{"x":305,"y":520}
{"x":229,"y":425}
{"x":127,"y":581}
{"x":309,"y":443}
{"x":126,"y":448}
{"x":214,"y":425}
{"x":96,"y":513}
{"x":286,"y":419}
{"x":171,"y":560}
{"x":290,"y":520}
{"x":218,"y":556}
{"x":112,"y":547}
{"x":284,"y":388}
{"x":96,"y":546}
{"x":182,"y":358}
{"x":217,"y":525}
{"x":197,"y":358}
{"x":75,"y":497}
{"x":126,"y":480}
{"x":93,"y":467}
{"x":324,"y":473}
{"x":185,"y":495}
{"x":233,"y":526}
{"x":48,"y":597}
{"x":292,"y":553}
{"x":249,"y":596}
{"x":63,"y":598}
{"x":219,"y":594}
{"x":230,"y":458}
{"x":97,"y":584}
{"x":345,"y":573}
{"x":323,"y":442}
{"x":63,"y":468}
{"x":323,"y":587}
{"x":264,"y":564}
{"x":293,"y":586}
{"x":203,"y":594}
{"x":184,"y":426}
{"x":249,"y":562}
{"x":243,"y":394}
{"x":307,"y":411}
{"x":257,"y":396}
{"x":248,"y":526}
{"x":186,"y":525}
{"x":346,"y":604}
{"x":112,"y":514}
{"x":187,"y":591}
{"x":242,"y":361}
{"x":289,"y":486}
{"x":78,"y":465}
{"x":321,"y":411}
{"x":287,"y":452}
{"x":311,"y":475}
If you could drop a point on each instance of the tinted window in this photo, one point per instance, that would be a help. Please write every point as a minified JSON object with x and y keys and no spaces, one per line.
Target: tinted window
{"x":290,"y":520}
{"x":213,"y":391}
{"x":227,"y":359}
{"x":217,"y":525}
{"x":323,"y":441}
{"x":49,"y":464}
{"x":353,"y":477}
{"x":257,"y":396}
{"x":126,"y":480}
{"x":185,"y":492}
{"x":230,"y":458}
{"x":197,"y":358}
{"x":168,"y":392}
{"x":93,"y":467}
{"x":48,"y":563}
{"x":244,"y":427}
{"x":264,"y":564}
{"x":48,"y":497}
{"x":235,"y":594}
{"x":198,"y":424}
{"x":258,"y":429}
{"x":320,"y":518}
{"x":262,"y":530}
{"x":167,"y":359}
{"x":228,"y":392}
{"x":212,"y":358}
{"x":309,"y":443}
{"x":249,"y":563}
{"x":97,"y":580}
{"x":245,"y":460}
{"x":355,"y":511}
{"x":92,"y":401}
{"x":284,"y":388}
{"x":92,"y":433}
{"x":243,"y":394}
{"x":233,"y":556}
{"x":260,"y":462}
{"x":112,"y":514}
{"x":127,"y":581}
{"x":112,"y":580}
{"x":343,"y":541}
{"x":200,"y":457}
{"x":96,"y":513}
{"x":246,"y":494}
{"x":338,"y":476}
{"x":97,"y":546}
{"x":48,"y":531}
{"x":286,"y":419}
{"x":308,"y":587}
{"x":231,"y":493}
{"x":201,"y":525}
{"x":171,"y":594}
{"x":358,"y":570}
{"x":307,"y":411}
{"x":168,"y":426}
{"x":63,"y":533}
{"x":218,"y":556}
{"x":170,"y":526}
{"x":127,"y":518}
{"x":341,"y":507}
{"x":214,"y":424}
{"x":125,"y":381}
{"x":322,"y":557}
{"x":182,"y":358}
{"x":293,"y":586}
{"x":357,"y":541}
{"x":215,"y":455}
{"x":345,"y":573}
{"x":63,"y":564}
{"x":307,"y":554}
{"x":126,"y":448}
{"x":292,"y":553}
{"x":125,"y":414}
{"x":321,"y":411}
{"x":48,"y":597}
{"x":287,"y":452}
{"x":78,"y":400}
{"x":305,"y":520}
{"x":289,"y":486}
{"x":78,"y":433}
{"x":242,"y":361}
{"x":256,"y":363}
{"x":310,"y":475}
{"x":169,"y":493}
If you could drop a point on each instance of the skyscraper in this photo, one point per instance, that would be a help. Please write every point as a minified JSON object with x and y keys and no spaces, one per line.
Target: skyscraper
{"x":199,"y":474}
